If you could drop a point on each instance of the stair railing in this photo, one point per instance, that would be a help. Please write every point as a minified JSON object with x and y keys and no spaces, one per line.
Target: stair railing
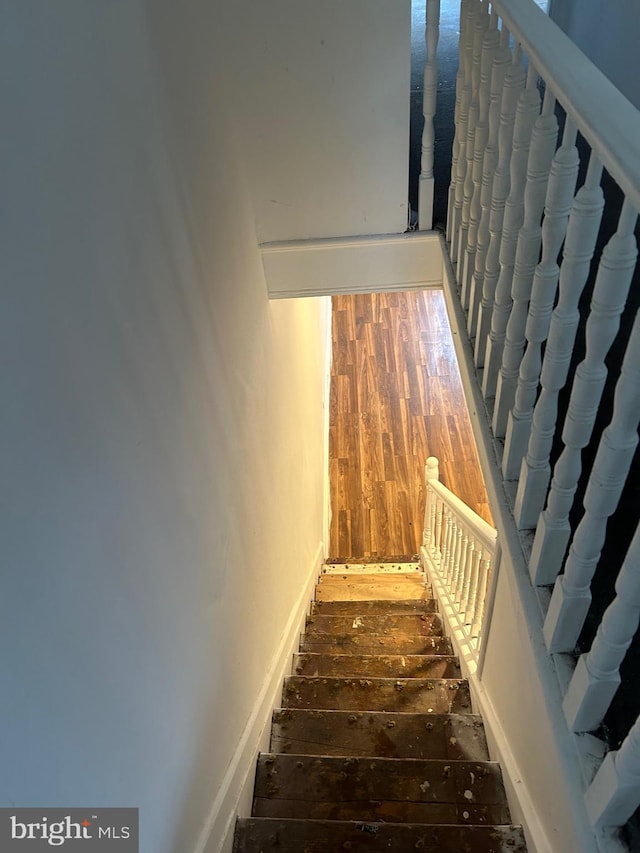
{"x":459,"y":548}
{"x":522,"y":243}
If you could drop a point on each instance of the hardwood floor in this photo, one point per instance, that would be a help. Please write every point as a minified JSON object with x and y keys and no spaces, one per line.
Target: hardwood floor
{"x":396,"y":398}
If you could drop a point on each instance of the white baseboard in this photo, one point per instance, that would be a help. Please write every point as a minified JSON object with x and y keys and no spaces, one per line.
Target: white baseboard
{"x":236,"y":789}
{"x":352,"y":264}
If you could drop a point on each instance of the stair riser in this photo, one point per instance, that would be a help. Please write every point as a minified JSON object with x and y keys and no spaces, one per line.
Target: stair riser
{"x":410,"y":695}
{"x":365,"y":591}
{"x":423,"y":625}
{"x":362,"y":608}
{"x":371,"y":644}
{"x":378,"y":734}
{"x":377,"y":666}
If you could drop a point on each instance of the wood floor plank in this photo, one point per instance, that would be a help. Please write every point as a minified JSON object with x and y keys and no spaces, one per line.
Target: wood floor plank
{"x":396,"y":398}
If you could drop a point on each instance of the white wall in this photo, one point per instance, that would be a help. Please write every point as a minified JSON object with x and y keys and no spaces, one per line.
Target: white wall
{"x":608,"y":34}
{"x":325,"y":115}
{"x":161,"y":426}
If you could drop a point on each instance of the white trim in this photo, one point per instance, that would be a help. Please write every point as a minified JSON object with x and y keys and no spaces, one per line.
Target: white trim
{"x":352,"y":265}
{"x":237,"y":784}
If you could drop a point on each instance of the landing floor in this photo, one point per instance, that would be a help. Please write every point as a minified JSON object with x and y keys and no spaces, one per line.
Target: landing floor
{"x":396,"y":398}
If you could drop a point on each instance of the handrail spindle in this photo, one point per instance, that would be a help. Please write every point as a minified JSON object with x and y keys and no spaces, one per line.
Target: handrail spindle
{"x":429,"y":100}
{"x":560,"y":192}
{"x":609,"y":296}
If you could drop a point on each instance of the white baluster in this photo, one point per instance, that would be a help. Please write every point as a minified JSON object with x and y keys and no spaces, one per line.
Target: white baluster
{"x":609,"y":295}
{"x":439,"y":528}
{"x":431,"y":472}
{"x":597,"y":675}
{"x":571,"y":595}
{"x":560,"y":191}
{"x":614,"y":794}
{"x":499,"y":67}
{"x":490,"y":47}
{"x":512,"y":89}
{"x":469,"y":11}
{"x":526,"y":114}
{"x":462,"y":569}
{"x":481,"y":20}
{"x":458,"y":559}
{"x":470,"y":568}
{"x":448,"y":544}
{"x":472,"y":586}
{"x":484,"y":573}
{"x":455,"y":149}
{"x":543,"y":145}
{"x":582,"y":232}
{"x":429,"y":99}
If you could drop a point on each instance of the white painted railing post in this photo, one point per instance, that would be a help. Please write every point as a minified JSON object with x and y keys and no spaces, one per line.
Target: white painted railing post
{"x":513,"y":85}
{"x":526,"y":115}
{"x":489,"y":48}
{"x":431,"y":472}
{"x":596,"y":678}
{"x":543,"y":146}
{"x":480,"y":22}
{"x":499,"y":67}
{"x":582,"y":232}
{"x":455,"y":148}
{"x":560,"y":192}
{"x":609,"y":296}
{"x":614,"y":794}
{"x":468,"y":13}
{"x":571,"y":595}
{"x":429,"y":102}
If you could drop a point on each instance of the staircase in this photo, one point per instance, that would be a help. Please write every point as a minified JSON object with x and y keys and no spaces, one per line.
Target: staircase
{"x":376,"y":746}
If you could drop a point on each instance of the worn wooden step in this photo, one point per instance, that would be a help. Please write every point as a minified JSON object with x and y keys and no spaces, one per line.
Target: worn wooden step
{"x":365,"y":587}
{"x":373,"y":606}
{"x":371,"y":644}
{"x":389,"y":789}
{"x":261,"y":835}
{"x":414,"y":695}
{"x":402,"y":625}
{"x":371,"y":577}
{"x":377,"y":666}
{"x":384,"y":734}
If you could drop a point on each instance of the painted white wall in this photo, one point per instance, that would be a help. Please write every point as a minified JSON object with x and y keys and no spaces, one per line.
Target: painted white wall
{"x":608,"y":34}
{"x":325,"y":115}
{"x":161,"y":426}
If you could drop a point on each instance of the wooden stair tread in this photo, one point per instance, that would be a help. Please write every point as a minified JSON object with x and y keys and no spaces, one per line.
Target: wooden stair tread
{"x":376,"y":745}
{"x":382,"y":733}
{"x":382,"y":666}
{"x":422,"y":695}
{"x":327,"y":836}
{"x":421,"y":790}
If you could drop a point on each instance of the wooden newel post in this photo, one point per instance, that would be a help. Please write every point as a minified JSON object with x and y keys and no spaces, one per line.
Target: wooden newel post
{"x":430,"y":94}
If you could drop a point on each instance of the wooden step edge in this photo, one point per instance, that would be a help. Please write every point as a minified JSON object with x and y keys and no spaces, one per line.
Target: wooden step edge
{"x":288,"y":835}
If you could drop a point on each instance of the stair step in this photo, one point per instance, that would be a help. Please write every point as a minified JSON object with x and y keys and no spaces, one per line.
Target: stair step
{"x":377,"y":666}
{"x":402,"y":625}
{"x":326,"y":836}
{"x":365,"y":567}
{"x":414,"y":695}
{"x":368,"y":644}
{"x":389,"y":789}
{"x":373,"y":606}
{"x":385,"y":734}
{"x":364,"y":587}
